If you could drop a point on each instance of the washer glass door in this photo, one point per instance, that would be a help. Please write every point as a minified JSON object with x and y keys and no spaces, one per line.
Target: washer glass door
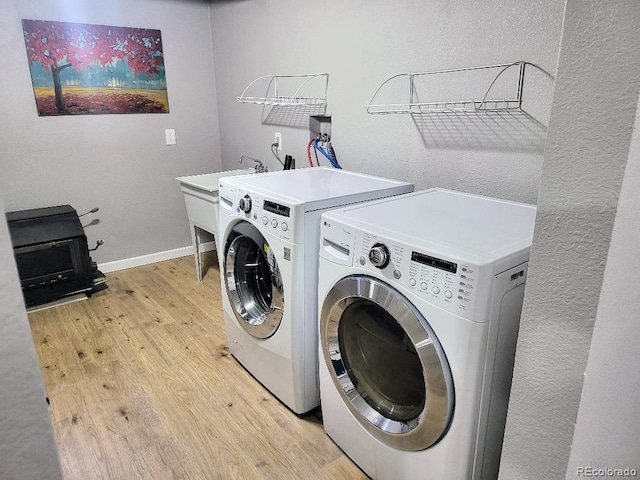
{"x":387,"y":363}
{"x":253,"y":281}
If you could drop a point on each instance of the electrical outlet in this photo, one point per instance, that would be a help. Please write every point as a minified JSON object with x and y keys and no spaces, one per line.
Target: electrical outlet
{"x":278,"y":140}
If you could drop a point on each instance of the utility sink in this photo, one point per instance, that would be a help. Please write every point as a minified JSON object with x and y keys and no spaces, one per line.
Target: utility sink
{"x":201,"y":199}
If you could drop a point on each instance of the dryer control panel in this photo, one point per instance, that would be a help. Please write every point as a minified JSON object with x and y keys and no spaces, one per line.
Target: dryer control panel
{"x":446,"y":282}
{"x":453,"y":284}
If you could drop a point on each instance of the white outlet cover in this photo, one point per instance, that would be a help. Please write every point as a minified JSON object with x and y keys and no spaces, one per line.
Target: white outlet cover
{"x":170,"y":136}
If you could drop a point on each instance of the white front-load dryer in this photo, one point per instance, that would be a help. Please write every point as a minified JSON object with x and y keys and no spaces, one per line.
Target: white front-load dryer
{"x":269,"y":225}
{"x":420,"y":299}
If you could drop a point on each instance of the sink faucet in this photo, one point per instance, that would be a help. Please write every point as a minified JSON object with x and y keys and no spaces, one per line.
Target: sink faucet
{"x":259,"y":166}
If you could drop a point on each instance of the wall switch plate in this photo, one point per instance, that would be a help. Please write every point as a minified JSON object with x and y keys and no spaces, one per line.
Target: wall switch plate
{"x":278,"y":140}
{"x":170,"y":136}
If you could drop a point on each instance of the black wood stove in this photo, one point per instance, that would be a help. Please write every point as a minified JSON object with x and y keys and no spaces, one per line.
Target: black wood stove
{"x":51,"y":252}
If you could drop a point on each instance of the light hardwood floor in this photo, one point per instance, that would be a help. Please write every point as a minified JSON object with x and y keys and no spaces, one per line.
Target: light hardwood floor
{"x":141,"y":386}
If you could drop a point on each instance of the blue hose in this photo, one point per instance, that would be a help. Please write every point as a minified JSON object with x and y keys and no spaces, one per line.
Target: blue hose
{"x":332,"y":161}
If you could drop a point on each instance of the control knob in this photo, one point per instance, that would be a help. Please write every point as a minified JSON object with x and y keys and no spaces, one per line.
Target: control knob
{"x":245,"y":204}
{"x":379,"y":256}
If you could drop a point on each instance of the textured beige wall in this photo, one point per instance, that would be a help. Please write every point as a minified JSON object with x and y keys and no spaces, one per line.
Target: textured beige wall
{"x":607,"y":433}
{"x":588,"y":143}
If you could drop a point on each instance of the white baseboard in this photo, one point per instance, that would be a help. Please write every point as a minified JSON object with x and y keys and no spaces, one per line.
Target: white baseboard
{"x":152,"y":258}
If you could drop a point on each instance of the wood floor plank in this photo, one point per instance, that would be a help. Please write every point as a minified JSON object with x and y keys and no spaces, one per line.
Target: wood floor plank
{"x":142,"y":386}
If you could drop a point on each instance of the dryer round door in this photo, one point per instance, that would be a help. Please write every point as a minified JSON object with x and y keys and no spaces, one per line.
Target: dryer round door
{"x":387,"y":363}
{"x":253,"y":281}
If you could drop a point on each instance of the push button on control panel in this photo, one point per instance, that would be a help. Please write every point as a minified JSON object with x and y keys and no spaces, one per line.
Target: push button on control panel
{"x":274,"y":223}
{"x":284,"y":226}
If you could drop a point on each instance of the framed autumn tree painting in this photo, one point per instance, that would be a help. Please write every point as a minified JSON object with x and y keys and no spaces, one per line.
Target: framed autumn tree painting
{"x":83,"y":69}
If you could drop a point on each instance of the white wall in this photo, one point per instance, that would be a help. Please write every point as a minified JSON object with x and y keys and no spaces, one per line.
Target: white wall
{"x":590,"y":131}
{"x":607,"y":433}
{"x":360,"y":44}
{"x":27,"y":449}
{"x":119,"y":163}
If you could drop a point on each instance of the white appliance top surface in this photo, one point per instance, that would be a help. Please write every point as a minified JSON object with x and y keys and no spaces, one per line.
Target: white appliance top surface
{"x":210,"y":181}
{"x":450,"y":222}
{"x":319,"y":187}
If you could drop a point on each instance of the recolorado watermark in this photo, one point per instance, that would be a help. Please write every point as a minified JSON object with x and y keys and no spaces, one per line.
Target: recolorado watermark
{"x":606,"y":472}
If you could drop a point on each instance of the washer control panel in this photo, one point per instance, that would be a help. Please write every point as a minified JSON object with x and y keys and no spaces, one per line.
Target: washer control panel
{"x":445,"y":282}
{"x":269,"y":215}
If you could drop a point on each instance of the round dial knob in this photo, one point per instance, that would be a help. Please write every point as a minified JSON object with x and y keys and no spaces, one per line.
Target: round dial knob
{"x":379,"y":255}
{"x":245,"y":204}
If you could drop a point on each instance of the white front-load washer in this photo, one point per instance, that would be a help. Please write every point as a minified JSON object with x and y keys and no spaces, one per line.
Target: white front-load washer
{"x":420,"y":299}
{"x":270,"y":228}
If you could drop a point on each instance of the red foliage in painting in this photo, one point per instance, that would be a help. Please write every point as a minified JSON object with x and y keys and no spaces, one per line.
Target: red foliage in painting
{"x":57,"y":44}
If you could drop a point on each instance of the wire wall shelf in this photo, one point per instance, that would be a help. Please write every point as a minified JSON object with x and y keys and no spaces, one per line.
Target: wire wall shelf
{"x":306,"y":89}
{"x":482,"y":103}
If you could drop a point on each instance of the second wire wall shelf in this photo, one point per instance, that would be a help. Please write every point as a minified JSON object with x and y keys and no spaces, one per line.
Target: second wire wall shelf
{"x":488,"y":88}
{"x":287,"y":90}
